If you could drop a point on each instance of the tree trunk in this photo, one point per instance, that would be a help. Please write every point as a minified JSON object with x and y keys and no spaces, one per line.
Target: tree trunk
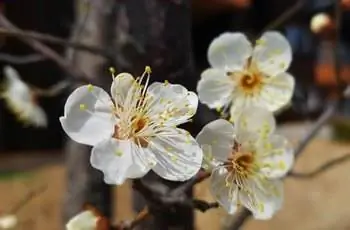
{"x":84,"y":183}
{"x":157,"y":33}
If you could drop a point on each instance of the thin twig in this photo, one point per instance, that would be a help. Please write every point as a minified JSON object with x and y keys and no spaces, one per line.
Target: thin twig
{"x":201,"y":176}
{"x":338,"y":14}
{"x":321,"y":121}
{"x":55,"y":40}
{"x":43,"y":49}
{"x":237,"y":222}
{"x":141,"y":216}
{"x":321,"y":169}
{"x":285,"y":16}
{"x":21,"y":60}
{"x":27,"y":198}
{"x":203,"y":205}
{"x":54,"y":90}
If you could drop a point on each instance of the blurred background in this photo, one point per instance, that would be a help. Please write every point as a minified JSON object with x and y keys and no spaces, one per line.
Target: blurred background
{"x":33,"y":157}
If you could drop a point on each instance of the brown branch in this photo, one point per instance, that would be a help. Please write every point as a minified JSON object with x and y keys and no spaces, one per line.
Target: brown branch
{"x":27,"y":198}
{"x":53,"y":90}
{"x":285,"y":16}
{"x":55,"y":40}
{"x":43,"y":49}
{"x":201,"y":176}
{"x":327,"y":166}
{"x":200,"y":205}
{"x":21,"y":60}
{"x":204,"y":206}
{"x":321,"y":121}
{"x":237,"y":222}
{"x":141,"y":216}
{"x":338,"y":14}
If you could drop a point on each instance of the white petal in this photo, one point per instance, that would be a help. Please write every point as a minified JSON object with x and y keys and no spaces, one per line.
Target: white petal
{"x":209,"y":163}
{"x":219,"y":134}
{"x":277,"y":92}
{"x":256,"y":120}
{"x":85,"y":220}
{"x":178,"y":154}
{"x":119,"y":160}
{"x":264,"y":204}
{"x":277,"y":155}
{"x":120,"y":87}
{"x":221,"y":191}
{"x":215,"y":88}
{"x":238,"y":104}
{"x":21,"y":99}
{"x":8,"y":222}
{"x":229,"y":51}
{"x":37,"y":116}
{"x":272,"y":54}
{"x":92,"y":123}
{"x":173,"y":103}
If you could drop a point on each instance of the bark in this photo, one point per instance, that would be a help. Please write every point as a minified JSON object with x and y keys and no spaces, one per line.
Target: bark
{"x":158,"y":33}
{"x":84,"y":183}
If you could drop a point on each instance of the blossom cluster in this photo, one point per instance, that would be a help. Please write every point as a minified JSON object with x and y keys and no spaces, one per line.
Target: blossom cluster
{"x":134,"y":129}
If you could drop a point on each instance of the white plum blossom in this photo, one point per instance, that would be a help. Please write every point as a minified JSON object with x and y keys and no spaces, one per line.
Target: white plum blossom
{"x":247,"y":162}
{"x":241,"y":76}
{"x":8,"y":222}
{"x":135,"y":130}
{"x":86,"y":220}
{"x":21,"y":100}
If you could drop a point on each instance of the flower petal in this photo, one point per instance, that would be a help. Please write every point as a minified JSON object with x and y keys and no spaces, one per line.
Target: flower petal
{"x":256,"y":120}
{"x":178,"y":154}
{"x":119,"y":160}
{"x":264,"y":204}
{"x":277,"y":155}
{"x":221,"y":192}
{"x":277,"y":91}
{"x":272,"y":54}
{"x":219,"y":134}
{"x":229,"y":51}
{"x":238,"y":104}
{"x":215,"y":88}
{"x":173,"y":104}
{"x":120,"y":87}
{"x":8,"y":222}
{"x":88,"y":117}
{"x":85,"y":220}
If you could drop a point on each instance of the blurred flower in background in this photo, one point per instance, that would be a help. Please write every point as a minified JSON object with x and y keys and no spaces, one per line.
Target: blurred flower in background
{"x":21,"y":99}
{"x":8,"y":222}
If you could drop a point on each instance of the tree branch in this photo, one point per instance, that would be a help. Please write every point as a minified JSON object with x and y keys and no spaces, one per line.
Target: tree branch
{"x":201,"y":176}
{"x":338,"y":14}
{"x":285,"y":16}
{"x":27,"y":198}
{"x":236,"y":223}
{"x":329,"y":165}
{"x":21,"y":60}
{"x":55,"y":40}
{"x":321,"y":121}
{"x":43,"y":49}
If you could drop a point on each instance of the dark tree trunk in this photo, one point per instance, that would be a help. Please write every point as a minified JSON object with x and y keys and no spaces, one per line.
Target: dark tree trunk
{"x":84,"y":183}
{"x":158,"y":33}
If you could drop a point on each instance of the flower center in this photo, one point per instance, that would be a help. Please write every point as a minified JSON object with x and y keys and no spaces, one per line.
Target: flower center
{"x":138,"y":124}
{"x":240,"y":163}
{"x":250,"y":82}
